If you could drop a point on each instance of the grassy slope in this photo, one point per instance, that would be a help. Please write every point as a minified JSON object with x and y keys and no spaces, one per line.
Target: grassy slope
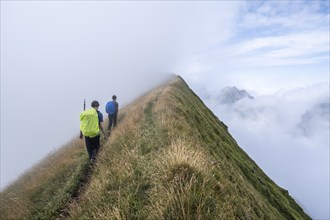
{"x":168,"y":158}
{"x":44,"y":190}
{"x":171,"y":158}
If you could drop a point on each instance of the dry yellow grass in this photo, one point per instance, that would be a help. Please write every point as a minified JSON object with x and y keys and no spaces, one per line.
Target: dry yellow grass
{"x":183,"y":187}
{"x":20,"y":199}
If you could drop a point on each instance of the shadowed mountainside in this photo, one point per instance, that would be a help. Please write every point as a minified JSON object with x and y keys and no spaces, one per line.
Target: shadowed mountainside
{"x":169,"y":157}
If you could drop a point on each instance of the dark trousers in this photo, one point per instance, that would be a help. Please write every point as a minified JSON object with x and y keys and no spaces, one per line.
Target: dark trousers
{"x":112,"y":121}
{"x":92,"y":145}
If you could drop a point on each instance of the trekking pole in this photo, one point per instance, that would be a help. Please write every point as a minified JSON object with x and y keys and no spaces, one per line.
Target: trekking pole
{"x":81,"y":134}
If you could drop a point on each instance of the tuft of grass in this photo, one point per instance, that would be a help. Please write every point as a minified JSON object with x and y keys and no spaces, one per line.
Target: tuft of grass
{"x":183,"y":184}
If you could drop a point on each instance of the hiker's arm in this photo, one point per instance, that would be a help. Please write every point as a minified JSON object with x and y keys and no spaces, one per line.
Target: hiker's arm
{"x":101,"y":128}
{"x":81,"y":135}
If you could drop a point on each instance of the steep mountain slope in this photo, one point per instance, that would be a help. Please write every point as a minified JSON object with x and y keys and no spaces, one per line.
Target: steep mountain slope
{"x":170,"y":158}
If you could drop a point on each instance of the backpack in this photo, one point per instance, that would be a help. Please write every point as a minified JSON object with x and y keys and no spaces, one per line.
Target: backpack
{"x":89,"y":123}
{"x":110,"y":108}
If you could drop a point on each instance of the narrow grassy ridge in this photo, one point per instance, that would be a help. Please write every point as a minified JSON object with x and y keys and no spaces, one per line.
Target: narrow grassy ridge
{"x":169,"y":157}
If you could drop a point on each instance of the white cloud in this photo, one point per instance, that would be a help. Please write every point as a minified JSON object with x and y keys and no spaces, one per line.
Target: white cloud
{"x":284,"y":34}
{"x":302,"y":44}
{"x":284,"y":16}
{"x":268,"y":127}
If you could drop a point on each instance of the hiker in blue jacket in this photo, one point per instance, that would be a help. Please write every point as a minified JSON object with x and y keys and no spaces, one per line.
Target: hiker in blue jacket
{"x":112,"y":109}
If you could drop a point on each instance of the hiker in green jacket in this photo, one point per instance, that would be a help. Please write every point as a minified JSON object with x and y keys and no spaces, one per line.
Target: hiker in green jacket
{"x":90,"y":126}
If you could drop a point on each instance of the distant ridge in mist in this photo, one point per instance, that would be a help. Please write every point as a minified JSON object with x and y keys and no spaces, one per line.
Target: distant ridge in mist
{"x":230,"y":95}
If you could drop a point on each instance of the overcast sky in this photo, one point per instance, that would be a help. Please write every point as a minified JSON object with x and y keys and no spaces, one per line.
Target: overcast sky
{"x":55,"y":54}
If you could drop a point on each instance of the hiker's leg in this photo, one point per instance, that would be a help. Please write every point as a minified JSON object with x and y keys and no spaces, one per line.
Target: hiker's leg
{"x":96,"y":145}
{"x":89,"y":146}
{"x":114,"y":120}
{"x":110,"y":122}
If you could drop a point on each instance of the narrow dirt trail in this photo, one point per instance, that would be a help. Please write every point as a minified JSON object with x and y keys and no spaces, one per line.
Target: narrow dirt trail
{"x":81,"y":186}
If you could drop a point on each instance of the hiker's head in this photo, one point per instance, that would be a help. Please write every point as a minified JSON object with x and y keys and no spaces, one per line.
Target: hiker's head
{"x":114,"y":97}
{"x":95,"y":104}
